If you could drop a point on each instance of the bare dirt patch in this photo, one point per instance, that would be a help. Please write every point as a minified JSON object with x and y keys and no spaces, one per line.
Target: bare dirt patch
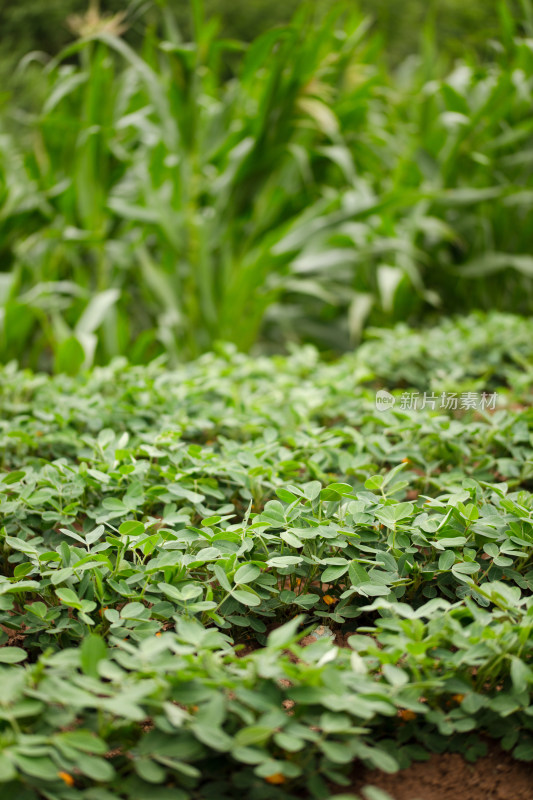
{"x":496,"y":776}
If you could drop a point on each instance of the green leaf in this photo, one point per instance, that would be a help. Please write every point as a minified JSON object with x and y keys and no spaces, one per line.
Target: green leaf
{"x":446,"y":560}
{"x":213,"y":737}
{"x":131,"y":528}
{"x":187,"y":494}
{"x":172,"y":592}
{"x":392,"y":514}
{"x":249,"y":755}
{"x":395,"y":676}
{"x":246,"y":573}
{"x":382,"y":760}
{"x":337,"y":752}
{"x":99,"y":769}
{"x":134,"y":610}
{"x":12,"y":655}
{"x":37,"y":766}
{"x":95,"y":313}
{"x":524,"y":751}
{"x":521,"y":674}
{"x":402,"y":510}
{"x":13,"y":477}
{"x":374,"y":793}
{"x":469,"y":512}
{"x":286,"y":496}
{"x":115,"y":505}
{"x":291,"y":744}
{"x":358,"y":574}
{"x":253,"y":734}
{"x":221,"y":577}
{"x":21,"y":545}
{"x":7,"y":770}
{"x":465,"y":568}
{"x":291,"y":539}
{"x":333,"y":573}
{"x":340,"y":488}
{"x":211,"y":521}
{"x":69,"y":597}
{"x":69,"y":356}
{"x":285,"y":634}
{"x":284,"y":561}
{"x":247,"y":598}
{"x":311,"y":490}
{"x":85,"y":741}
{"x":93,"y":650}
{"x":374,"y":483}
{"x":491,"y":549}
{"x":149,"y":770}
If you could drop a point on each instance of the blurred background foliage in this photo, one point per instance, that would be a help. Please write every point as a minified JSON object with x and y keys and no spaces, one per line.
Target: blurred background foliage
{"x":165,"y":184}
{"x":41,"y":24}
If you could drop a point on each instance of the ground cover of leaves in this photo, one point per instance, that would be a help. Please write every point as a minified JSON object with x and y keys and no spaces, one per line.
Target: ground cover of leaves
{"x":169,"y":538}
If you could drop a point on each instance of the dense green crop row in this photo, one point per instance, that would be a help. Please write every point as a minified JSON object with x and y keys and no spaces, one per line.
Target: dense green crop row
{"x":36,"y":25}
{"x":155,"y":520}
{"x":293,"y":189}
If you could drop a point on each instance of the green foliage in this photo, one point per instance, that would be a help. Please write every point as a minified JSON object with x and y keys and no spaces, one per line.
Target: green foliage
{"x":167,"y":198}
{"x":35,"y":25}
{"x":154,"y":520}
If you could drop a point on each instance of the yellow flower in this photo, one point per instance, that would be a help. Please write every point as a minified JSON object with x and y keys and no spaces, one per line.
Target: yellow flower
{"x":329,"y":600}
{"x":407,"y":715}
{"x":68,"y":779}
{"x":276,"y":778}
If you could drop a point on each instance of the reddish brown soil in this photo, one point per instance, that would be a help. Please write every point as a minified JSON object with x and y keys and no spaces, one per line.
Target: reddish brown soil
{"x":16,"y":638}
{"x":497,"y":776}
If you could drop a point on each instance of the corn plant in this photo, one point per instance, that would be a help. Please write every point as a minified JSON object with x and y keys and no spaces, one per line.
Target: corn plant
{"x":190,"y":192}
{"x":170,"y":183}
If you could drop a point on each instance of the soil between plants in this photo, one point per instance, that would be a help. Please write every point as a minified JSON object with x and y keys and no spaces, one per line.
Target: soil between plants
{"x":496,"y":776}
